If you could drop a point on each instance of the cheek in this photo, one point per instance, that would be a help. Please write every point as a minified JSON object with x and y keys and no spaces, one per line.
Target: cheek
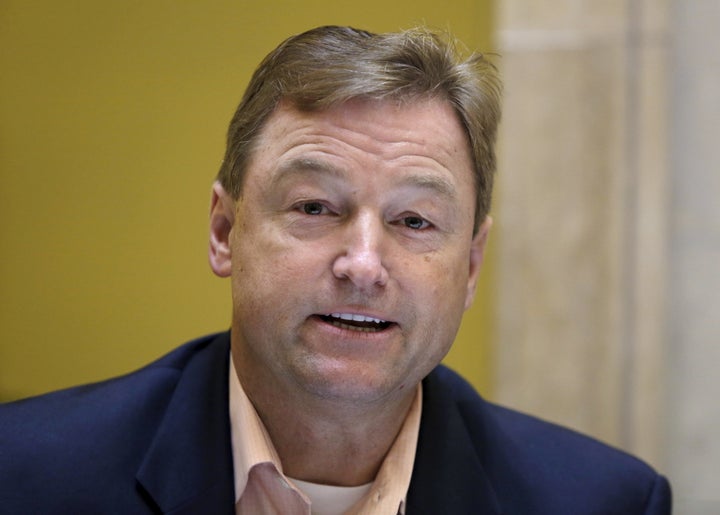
{"x":442,"y":284}
{"x":267,"y":265}
{"x":444,"y":272}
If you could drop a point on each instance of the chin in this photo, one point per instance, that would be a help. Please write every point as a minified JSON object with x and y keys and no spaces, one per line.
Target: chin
{"x":343,"y":384}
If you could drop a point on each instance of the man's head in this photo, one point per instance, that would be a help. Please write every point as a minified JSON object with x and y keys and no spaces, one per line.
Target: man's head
{"x":329,"y":66}
{"x":346,"y":213}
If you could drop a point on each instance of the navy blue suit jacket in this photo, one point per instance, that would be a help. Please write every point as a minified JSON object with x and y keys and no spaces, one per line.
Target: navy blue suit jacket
{"x":158,"y":441}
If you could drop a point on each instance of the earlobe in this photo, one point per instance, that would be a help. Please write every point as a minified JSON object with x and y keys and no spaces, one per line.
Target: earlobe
{"x":222,"y":217}
{"x":477,"y":255}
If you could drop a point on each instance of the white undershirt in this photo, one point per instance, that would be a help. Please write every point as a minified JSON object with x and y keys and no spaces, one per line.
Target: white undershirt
{"x":331,"y":500}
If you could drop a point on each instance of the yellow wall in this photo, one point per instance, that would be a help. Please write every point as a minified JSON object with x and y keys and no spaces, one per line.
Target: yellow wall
{"x":112,"y":122}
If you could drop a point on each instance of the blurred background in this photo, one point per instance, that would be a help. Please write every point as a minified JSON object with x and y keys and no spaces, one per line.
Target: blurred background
{"x":598,"y":306}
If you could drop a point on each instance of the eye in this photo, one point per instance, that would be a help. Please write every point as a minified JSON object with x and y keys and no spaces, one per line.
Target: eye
{"x":415,"y":223}
{"x":313,"y":208}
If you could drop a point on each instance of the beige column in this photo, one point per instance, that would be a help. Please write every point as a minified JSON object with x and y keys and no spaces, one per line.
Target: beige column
{"x":581,"y":207}
{"x":693,"y":418}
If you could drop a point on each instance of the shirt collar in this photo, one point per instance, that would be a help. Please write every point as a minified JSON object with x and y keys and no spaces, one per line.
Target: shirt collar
{"x":251,"y":443}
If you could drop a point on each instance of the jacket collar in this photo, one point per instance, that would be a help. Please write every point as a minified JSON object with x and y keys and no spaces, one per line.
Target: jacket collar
{"x":448,"y":476}
{"x":188,"y":467}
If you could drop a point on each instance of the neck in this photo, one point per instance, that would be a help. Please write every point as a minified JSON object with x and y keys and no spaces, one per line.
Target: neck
{"x":326,"y":441}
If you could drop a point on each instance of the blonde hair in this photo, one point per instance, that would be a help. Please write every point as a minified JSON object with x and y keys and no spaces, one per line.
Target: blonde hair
{"x":329,"y":65}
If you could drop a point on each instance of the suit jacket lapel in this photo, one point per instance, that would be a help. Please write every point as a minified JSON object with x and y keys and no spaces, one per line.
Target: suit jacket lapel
{"x":448,"y":476}
{"x":188,"y":467}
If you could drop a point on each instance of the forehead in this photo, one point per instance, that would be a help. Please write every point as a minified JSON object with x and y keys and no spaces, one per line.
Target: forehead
{"x":422,"y":133}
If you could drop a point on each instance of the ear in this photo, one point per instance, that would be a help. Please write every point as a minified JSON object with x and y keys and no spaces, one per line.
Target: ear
{"x":477,"y":254}
{"x":222,"y":217}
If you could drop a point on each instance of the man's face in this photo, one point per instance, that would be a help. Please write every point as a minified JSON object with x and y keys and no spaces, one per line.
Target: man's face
{"x":351,"y":249}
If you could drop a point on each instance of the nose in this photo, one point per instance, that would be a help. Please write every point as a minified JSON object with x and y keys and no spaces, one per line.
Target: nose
{"x":360,"y":259}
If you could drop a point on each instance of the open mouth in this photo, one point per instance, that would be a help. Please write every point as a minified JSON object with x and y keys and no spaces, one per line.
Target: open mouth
{"x":353,"y":322}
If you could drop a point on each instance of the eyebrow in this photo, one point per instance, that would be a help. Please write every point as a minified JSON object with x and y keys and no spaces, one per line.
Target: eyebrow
{"x":304,"y":165}
{"x":432,"y":182}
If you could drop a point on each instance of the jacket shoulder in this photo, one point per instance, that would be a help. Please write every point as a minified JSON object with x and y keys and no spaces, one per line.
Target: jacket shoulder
{"x":74,"y":439}
{"x":536,"y":464}
{"x":101,"y":398}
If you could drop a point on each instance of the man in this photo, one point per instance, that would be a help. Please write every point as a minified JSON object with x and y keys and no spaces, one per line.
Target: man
{"x":351,"y":216}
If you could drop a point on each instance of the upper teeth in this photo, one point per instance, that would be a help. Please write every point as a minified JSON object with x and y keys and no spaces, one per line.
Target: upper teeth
{"x":356,"y":318}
